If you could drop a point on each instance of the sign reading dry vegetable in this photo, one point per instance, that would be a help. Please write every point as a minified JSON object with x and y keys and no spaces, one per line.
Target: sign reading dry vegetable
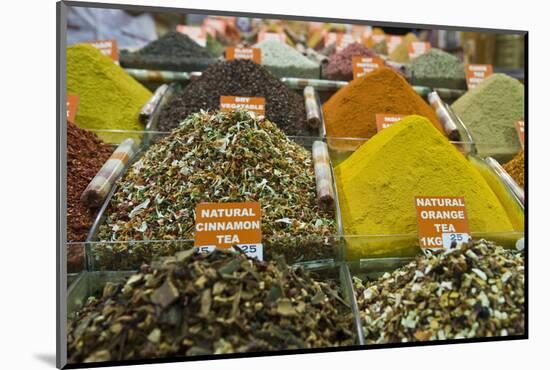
{"x":442,"y":222}
{"x":254,"y":54}
{"x":226,"y":225}
{"x":252,"y":104}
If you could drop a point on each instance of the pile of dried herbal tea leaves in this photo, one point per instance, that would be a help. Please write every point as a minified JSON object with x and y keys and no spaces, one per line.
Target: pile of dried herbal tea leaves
{"x":476,"y":290}
{"x":221,"y":157}
{"x":221,"y":302}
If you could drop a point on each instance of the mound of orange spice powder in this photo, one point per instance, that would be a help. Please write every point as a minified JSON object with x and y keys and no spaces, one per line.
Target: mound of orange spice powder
{"x":351,"y":112}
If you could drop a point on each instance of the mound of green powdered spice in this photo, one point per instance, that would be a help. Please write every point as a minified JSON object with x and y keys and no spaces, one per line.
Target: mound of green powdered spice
{"x":436,"y":68}
{"x":109,"y":98}
{"x":174,"y":52}
{"x":218,"y":157}
{"x":490,"y":112}
{"x":285,"y":61}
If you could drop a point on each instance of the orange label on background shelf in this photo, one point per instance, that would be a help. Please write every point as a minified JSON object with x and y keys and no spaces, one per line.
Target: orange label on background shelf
{"x":417,"y":48}
{"x":72,"y":107}
{"x":195,"y":33}
{"x":520,"y":128}
{"x":267,"y":35}
{"x":107,"y":47}
{"x":393,"y":41}
{"x":224,"y":225}
{"x":363,"y":65}
{"x":250,"y":103}
{"x":475,"y":73}
{"x":442,"y":222}
{"x":384,"y":120}
{"x":254,"y":54}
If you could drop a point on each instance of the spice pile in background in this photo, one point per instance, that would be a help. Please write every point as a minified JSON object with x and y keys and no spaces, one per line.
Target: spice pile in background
{"x":490,"y":112}
{"x":284,"y":107}
{"x":218,"y":157}
{"x":474,"y":291}
{"x":351,"y":112}
{"x":85,"y":156}
{"x":339,"y":65}
{"x":173,"y":52}
{"x":401,"y":53}
{"x":516,"y":169}
{"x":213,"y":303}
{"x":284,"y":61}
{"x":436,"y":68}
{"x":377,"y":185}
{"x":109,"y":98}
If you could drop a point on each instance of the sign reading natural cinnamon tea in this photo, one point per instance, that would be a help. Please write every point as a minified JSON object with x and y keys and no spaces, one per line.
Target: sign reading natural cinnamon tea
{"x":384,"y":120}
{"x":72,"y":107}
{"x":195,"y":33}
{"x":249,"y":103}
{"x":253,"y":54}
{"x":475,"y":73}
{"x":442,"y":222}
{"x":363,"y":65}
{"x":107,"y":47}
{"x":520,"y":128}
{"x":226,"y":225}
{"x":417,"y":48}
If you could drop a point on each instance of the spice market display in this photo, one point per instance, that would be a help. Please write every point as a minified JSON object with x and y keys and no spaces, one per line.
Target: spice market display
{"x":243,"y":185}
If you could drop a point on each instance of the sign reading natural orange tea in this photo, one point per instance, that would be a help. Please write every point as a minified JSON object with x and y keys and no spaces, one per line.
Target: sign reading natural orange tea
{"x":475,"y":73}
{"x":384,"y":120}
{"x":251,"y":103}
{"x":417,"y":48}
{"x":520,"y":128}
{"x":226,"y":225}
{"x":195,"y":33}
{"x":107,"y":47}
{"x":363,"y":65}
{"x":253,"y":54}
{"x":442,"y":222}
{"x":72,"y":107}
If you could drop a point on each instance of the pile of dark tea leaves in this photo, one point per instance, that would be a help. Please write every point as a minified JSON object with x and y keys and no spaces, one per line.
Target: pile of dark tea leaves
{"x":284,"y":107}
{"x":219,"y":157}
{"x":201,"y":304}
{"x":173,"y":51}
{"x":474,"y":291}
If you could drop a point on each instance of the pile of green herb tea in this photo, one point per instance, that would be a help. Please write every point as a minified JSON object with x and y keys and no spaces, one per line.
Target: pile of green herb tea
{"x":474,"y":291}
{"x":220,"y":157}
{"x":216,"y":303}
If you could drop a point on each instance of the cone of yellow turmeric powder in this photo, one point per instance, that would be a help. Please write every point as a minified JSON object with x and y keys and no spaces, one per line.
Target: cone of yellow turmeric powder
{"x":109,"y":98}
{"x":377,"y":184}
